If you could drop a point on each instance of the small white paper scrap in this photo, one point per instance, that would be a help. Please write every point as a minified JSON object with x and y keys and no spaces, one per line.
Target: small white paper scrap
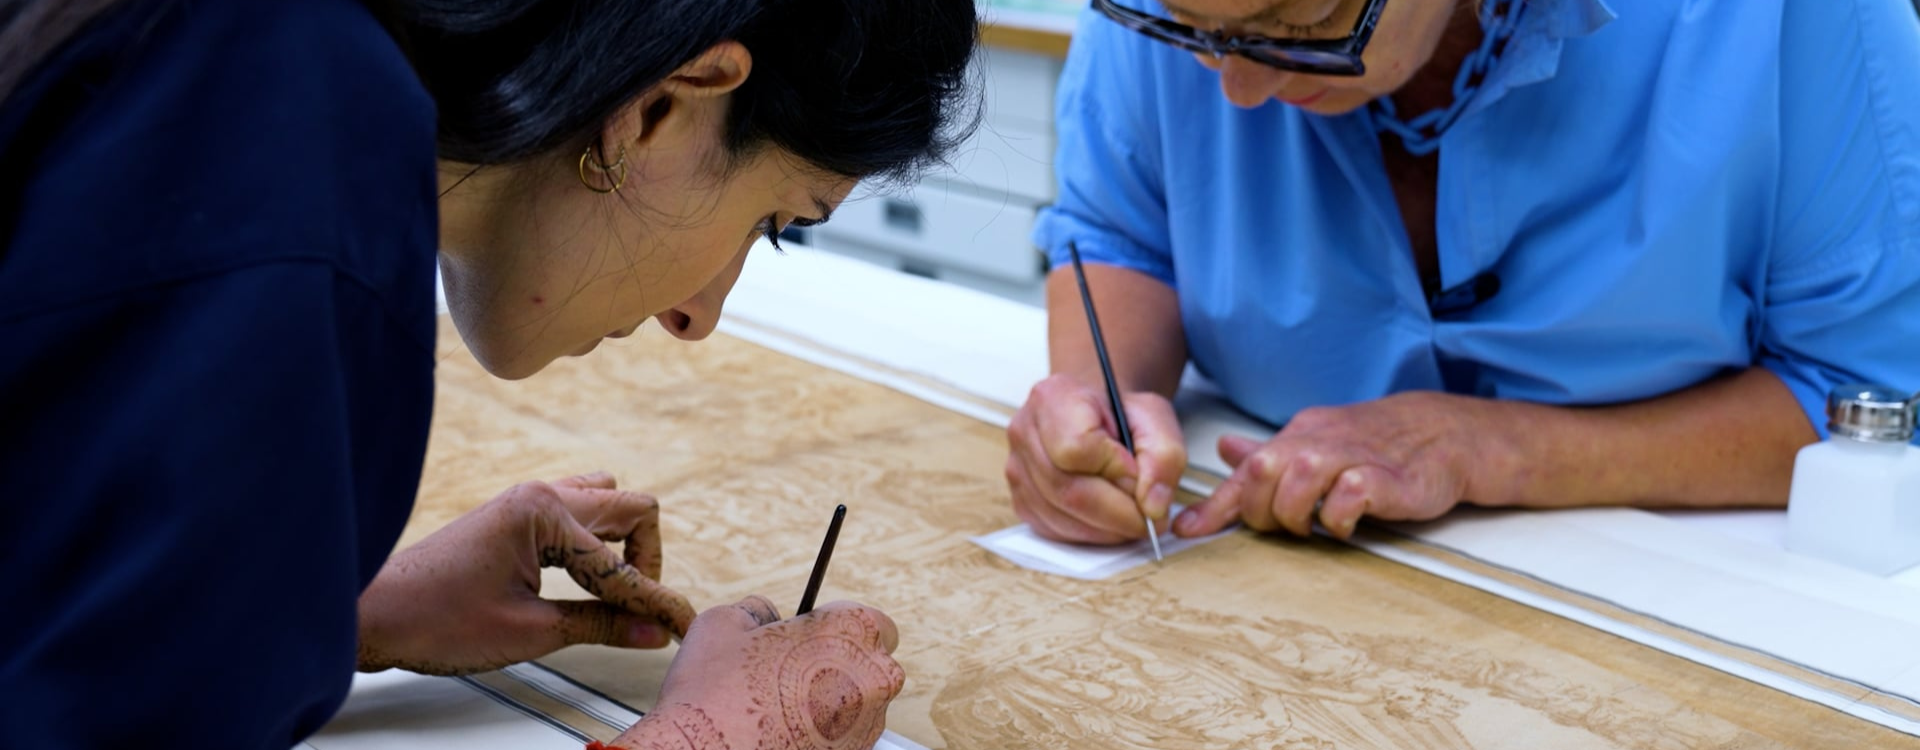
{"x":1022,"y":547}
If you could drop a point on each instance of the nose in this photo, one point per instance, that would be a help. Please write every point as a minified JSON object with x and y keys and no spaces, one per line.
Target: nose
{"x":690,"y":321}
{"x":696,"y":318}
{"x":1249,"y":84}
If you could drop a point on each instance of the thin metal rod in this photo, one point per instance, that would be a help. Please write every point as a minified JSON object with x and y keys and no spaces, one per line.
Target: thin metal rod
{"x":1113,"y":386}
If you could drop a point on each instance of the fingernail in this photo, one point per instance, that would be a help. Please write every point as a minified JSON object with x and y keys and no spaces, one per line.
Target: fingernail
{"x":1186,"y":523}
{"x":1159,"y":499}
{"x":647,"y":635}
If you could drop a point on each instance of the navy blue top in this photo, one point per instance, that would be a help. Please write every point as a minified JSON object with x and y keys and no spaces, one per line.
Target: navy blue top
{"x":216,"y":368}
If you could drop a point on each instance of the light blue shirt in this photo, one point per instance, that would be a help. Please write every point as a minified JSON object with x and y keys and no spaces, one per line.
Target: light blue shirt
{"x":1668,"y":191}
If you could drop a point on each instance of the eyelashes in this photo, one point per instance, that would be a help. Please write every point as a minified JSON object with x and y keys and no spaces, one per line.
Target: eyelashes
{"x":1296,"y":30}
{"x":1288,"y":30}
{"x":770,"y":228}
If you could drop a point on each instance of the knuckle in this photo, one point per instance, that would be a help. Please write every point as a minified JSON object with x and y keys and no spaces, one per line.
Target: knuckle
{"x":705,"y":619}
{"x":1306,"y":461}
{"x":1264,"y":465}
{"x":893,"y":678}
{"x":1077,"y":499}
{"x":1072,"y":499}
{"x":533,"y":496}
{"x":757,"y":608}
{"x":1051,"y":387}
{"x":1014,"y":471}
{"x":643,"y":509}
{"x":859,"y":622}
{"x":1021,"y":427}
{"x":1075,"y":454}
{"x":1315,"y":416}
{"x":1353,"y":481}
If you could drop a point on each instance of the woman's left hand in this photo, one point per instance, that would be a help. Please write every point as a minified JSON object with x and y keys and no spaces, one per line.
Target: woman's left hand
{"x":467,"y":598}
{"x":1407,"y":457}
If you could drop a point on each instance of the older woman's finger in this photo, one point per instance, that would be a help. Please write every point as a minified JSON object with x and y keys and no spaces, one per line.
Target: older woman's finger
{"x":1353,"y":495}
{"x":1309,"y":474}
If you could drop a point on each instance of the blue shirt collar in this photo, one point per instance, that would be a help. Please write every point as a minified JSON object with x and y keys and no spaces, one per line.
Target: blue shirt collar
{"x":1565,"y":19}
{"x":1534,"y":53}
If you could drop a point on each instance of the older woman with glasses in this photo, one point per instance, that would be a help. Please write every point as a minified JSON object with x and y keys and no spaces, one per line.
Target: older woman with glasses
{"x":1503,"y":252}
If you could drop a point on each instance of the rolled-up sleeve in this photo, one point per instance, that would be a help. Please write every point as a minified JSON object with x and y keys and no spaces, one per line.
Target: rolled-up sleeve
{"x":1112,"y":203}
{"x":1842,"y":295}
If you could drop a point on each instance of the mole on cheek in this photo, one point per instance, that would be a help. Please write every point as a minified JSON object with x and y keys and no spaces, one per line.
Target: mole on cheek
{"x":539,"y":300}
{"x":833,"y":700}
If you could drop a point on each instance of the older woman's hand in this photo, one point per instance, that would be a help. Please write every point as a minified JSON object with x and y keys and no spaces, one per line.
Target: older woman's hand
{"x":1407,"y":457}
{"x":1072,"y":479}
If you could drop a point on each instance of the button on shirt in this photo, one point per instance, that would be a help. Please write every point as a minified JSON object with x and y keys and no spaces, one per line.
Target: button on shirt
{"x":1667,"y":192}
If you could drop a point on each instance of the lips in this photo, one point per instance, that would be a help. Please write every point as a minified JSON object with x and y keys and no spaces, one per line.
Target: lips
{"x":1306,"y":101}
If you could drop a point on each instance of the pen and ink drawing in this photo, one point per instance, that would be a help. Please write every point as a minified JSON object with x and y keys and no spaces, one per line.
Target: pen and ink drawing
{"x":1244,"y":642}
{"x":1186,"y":677}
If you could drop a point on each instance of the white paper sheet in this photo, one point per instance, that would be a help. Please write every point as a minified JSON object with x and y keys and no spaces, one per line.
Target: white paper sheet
{"x":1021,"y":546}
{"x":1825,"y":618}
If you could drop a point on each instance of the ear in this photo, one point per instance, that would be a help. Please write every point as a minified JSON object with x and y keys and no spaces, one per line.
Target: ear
{"x":716,"y":72}
{"x":700,"y":84}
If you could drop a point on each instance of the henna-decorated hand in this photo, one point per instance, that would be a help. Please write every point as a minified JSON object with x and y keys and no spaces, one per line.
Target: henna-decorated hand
{"x":746,"y":680}
{"x":467,"y":598}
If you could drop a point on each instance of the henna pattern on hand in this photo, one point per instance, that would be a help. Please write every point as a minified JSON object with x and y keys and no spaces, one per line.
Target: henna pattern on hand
{"x":371,"y":659}
{"x":833,"y":699}
{"x":676,"y":727}
{"x":615,"y":582}
{"x":822,"y":693}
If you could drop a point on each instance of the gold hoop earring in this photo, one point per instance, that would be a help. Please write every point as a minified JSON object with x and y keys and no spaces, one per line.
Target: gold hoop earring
{"x":617,"y":171}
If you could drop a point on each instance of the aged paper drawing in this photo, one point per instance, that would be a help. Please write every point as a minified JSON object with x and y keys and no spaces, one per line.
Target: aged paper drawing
{"x":1244,"y":642}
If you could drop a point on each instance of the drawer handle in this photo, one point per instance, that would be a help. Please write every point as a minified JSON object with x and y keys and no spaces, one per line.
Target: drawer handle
{"x":903,"y":215}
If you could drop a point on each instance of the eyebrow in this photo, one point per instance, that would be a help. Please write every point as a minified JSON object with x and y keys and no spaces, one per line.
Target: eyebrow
{"x":1272,"y":12}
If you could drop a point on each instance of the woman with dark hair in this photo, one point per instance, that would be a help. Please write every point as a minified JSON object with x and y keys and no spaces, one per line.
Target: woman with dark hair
{"x":220,"y":221}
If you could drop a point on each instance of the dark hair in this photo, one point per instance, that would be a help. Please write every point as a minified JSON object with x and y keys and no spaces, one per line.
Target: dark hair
{"x":31,"y":30}
{"x":858,"y":88}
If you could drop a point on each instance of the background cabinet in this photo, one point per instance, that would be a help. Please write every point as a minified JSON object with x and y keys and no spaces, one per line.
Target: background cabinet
{"x":970,"y":222}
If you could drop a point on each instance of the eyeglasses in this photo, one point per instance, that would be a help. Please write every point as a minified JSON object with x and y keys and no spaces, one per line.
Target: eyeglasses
{"x":1326,"y":57}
